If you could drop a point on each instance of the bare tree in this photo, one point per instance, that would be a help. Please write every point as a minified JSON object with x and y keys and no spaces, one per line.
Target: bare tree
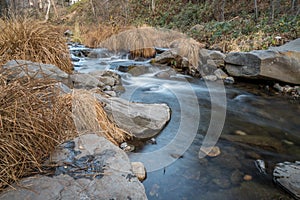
{"x":256,"y":10}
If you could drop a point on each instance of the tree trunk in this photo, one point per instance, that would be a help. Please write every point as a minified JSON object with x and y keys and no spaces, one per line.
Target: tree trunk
{"x":256,"y":10}
{"x":153,"y":5}
{"x":48,"y":11}
{"x":223,"y":10}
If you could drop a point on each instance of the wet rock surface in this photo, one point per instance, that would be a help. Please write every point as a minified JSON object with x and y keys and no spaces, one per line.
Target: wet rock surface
{"x":89,"y":167}
{"x":142,"y":120}
{"x":23,"y":68}
{"x":281,"y":63}
{"x":287,"y":175}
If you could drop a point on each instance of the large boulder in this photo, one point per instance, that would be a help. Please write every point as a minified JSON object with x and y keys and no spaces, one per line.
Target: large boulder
{"x":279,"y":63}
{"x":287,"y":175}
{"x":23,"y":68}
{"x":88,"y":167}
{"x":210,"y":61}
{"x":141,"y":120}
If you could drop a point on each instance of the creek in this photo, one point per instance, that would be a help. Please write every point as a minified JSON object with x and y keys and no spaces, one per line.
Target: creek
{"x":208,"y":112}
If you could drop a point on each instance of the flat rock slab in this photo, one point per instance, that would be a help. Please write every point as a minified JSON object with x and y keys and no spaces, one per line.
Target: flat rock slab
{"x":278,"y":63}
{"x":89,"y":167}
{"x":23,"y":68}
{"x":141,"y":120}
{"x":287,"y":175}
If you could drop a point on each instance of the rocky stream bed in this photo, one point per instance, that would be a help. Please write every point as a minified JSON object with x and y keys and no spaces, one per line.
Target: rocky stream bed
{"x":214,"y":137}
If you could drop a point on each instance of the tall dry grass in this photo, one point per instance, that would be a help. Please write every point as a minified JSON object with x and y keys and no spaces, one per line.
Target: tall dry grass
{"x":27,"y":39}
{"x":33,"y":120}
{"x":93,"y":36}
{"x":35,"y":116}
{"x":141,"y":41}
{"x":189,"y":48}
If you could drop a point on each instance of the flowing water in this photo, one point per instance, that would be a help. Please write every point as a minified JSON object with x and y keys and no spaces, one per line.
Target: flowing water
{"x":207,"y":113}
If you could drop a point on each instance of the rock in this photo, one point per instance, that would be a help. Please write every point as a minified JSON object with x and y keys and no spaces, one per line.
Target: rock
{"x":209,"y":151}
{"x":85,"y":81}
{"x":247,"y":177}
{"x":167,"y":57}
{"x":111,"y":93}
{"x":165,"y":74}
{"x":239,"y":132}
{"x":278,"y":87}
{"x":138,"y":169}
{"x":23,"y":68}
{"x":142,"y":120}
{"x":210,"y":78}
{"x":236,"y":177}
{"x":63,"y":88}
{"x":220,"y":74}
{"x":229,"y":80}
{"x":96,"y":170}
{"x":107,"y":80}
{"x":281,"y":63}
{"x":287,"y":142}
{"x":99,"y":53}
{"x":137,"y":70}
{"x":210,"y":61}
{"x":287,"y":175}
{"x":261,"y":166}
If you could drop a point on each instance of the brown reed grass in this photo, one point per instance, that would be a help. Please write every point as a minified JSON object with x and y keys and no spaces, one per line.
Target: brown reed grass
{"x":27,"y":39}
{"x":35,"y":116}
{"x":141,"y":41}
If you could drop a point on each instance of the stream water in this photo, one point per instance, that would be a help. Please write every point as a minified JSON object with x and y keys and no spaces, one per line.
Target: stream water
{"x":200,"y":110}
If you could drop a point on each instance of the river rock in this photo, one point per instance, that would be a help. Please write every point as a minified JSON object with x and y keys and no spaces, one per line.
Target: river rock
{"x":281,"y":63}
{"x":23,"y":68}
{"x":287,"y":175}
{"x":85,"y":81}
{"x":210,"y":61}
{"x":142,"y":120}
{"x":139,"y":170}
{"x":209,"y":151}
{"x":210,"y":78}
{"x":100,"y":53}
{"x":220,"y":74}
{"x":89,"y":167}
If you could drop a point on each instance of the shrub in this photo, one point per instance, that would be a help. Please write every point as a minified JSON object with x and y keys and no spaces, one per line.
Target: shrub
{"x":27,"y":39}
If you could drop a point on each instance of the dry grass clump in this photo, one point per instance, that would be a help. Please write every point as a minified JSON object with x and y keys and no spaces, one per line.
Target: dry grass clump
{"x":27,"y":39}
{"x":35,"y":116}
{"x":92,"y":37}
{"x":33,"y":120}
{"x":89,"y":116}
{"x":141,"y":41}
{"x":189,"y":48}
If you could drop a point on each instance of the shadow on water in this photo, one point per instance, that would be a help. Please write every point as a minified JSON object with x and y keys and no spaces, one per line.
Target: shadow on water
{"x":271,"y":126}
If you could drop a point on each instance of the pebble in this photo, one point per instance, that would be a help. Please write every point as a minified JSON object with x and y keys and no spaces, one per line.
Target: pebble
{"x":229,"y":80}
{"x":278,"y":87}
{"x":211,"y":151}
{"x":239,"y":132}
{"x":123,"y":145}
{"x":210,"y":78}
{"x":247,"y":177}
{"x":139,"y":170}
{"x":288,"y":142}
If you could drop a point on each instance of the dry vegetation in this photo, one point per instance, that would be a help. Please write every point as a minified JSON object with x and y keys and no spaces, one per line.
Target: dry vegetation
{"x":141,"y":41}
{"x":35,"y":117}
{"x":27,"y":39}
{"x":33,"y":120}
